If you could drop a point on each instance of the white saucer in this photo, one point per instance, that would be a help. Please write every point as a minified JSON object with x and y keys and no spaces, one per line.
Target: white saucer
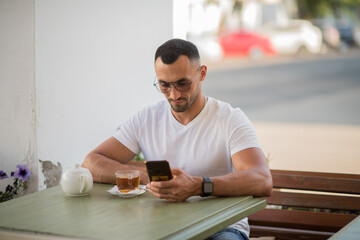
{"x":115,"y":191}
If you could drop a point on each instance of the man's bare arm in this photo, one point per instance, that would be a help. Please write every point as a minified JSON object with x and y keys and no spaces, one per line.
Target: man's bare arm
{"x":252,"y":176}
{"x":109,"y":157}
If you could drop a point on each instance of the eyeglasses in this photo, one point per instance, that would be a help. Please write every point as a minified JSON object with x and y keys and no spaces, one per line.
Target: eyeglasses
{"x":182,"y":85}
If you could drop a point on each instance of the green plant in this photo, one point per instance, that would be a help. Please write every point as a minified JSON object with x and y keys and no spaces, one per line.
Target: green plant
{"x":139,"y":157}
{"x":19,"y":183}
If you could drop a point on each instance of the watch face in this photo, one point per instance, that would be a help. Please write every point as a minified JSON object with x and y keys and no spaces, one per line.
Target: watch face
{"x":208,"y":187}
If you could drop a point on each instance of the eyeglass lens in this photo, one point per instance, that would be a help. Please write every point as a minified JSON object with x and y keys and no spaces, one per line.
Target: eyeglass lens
{"x":181,"y":86}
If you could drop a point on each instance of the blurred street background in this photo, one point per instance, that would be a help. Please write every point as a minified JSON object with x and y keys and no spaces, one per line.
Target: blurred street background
{"x":306,"y":111}
{"x":257,"y":29}
{"x":294,"y":68}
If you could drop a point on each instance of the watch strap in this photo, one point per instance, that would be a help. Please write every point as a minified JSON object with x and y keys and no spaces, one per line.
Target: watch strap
{"x":205,"y":192}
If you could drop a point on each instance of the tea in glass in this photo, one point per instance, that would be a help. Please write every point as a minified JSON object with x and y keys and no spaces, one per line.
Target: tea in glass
{"x":127,"y":180}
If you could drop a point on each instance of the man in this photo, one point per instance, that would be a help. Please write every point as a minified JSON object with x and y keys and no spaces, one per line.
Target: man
{"x":206,"y":141}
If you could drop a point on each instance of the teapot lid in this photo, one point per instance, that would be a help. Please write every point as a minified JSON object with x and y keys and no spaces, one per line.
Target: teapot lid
{"x":77,"y":169}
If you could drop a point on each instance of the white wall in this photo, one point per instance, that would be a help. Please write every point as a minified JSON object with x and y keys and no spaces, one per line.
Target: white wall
{"x":17,"y":94}
{"x":181,"y":18}
{"x":94,"y":67}
{"x":89,"y":67}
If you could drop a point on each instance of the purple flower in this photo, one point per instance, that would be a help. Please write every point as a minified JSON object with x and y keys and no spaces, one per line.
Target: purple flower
{"x":3,"y":175}
{"x":23,"y":172}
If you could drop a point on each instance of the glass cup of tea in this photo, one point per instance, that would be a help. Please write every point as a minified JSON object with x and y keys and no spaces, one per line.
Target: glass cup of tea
{"x":127,"y":180}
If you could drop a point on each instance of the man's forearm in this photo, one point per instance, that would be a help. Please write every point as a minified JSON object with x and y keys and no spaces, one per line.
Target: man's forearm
{"x":103,"y":168}
{"x":255,"y":182}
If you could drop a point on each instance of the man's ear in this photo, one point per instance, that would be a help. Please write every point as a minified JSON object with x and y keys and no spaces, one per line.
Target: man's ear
{"x":203,"y":72}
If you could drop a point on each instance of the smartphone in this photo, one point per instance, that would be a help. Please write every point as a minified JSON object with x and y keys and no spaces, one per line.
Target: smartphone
{"x":158,"y":170}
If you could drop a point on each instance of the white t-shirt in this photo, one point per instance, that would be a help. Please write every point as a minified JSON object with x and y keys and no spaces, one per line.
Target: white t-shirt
{"x":201,"y":148}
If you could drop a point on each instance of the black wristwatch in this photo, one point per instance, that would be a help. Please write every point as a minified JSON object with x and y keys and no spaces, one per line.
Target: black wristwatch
{"x":207,"y":187}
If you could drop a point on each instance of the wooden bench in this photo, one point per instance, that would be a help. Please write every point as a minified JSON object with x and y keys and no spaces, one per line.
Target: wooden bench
{"x":307,"y":205}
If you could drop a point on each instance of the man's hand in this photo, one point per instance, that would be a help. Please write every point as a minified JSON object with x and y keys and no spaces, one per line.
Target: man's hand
{"x":178,"y":189}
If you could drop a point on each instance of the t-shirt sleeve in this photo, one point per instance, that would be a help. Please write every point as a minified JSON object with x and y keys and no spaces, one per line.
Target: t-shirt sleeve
{"x":128,"y":133}
{"x":241,"y":132}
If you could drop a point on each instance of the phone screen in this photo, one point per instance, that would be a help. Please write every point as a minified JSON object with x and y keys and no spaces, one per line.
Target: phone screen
{"x":158,"y":170}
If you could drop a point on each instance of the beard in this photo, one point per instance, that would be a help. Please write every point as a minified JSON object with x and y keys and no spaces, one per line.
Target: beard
{"x":185,"y":105}
{"x":180,"y":108}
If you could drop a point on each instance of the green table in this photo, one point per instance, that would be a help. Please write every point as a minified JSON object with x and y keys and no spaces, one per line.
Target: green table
{"x":50,"y":214}
{"x":349,"y":232}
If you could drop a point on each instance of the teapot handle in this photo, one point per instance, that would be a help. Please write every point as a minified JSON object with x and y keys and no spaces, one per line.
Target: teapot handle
{"x":84,"y":183}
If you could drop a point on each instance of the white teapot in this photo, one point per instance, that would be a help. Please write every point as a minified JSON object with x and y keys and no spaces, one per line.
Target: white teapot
{"x":77,"y":181}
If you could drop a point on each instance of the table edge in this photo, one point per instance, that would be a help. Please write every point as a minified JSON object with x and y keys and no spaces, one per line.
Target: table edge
{"x":211,"y":225}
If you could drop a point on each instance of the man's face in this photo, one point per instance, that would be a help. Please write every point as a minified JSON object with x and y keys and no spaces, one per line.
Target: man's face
{"x":181,"y":70}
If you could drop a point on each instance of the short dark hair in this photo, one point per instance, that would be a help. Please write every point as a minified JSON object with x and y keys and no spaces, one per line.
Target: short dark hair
{"x":171,"y":50}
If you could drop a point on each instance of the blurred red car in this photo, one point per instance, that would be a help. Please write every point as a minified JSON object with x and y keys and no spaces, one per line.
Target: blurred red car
{"x":246,"y":44}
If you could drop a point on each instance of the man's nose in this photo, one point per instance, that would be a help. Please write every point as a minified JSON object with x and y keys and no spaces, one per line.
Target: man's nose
{"x":174,"y":93}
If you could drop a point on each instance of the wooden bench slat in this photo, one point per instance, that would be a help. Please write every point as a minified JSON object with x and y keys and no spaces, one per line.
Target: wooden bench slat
{"x":318,"y":221}
{"x":330,"y":182}
{"x":288,"y":234}
{"x":316,"y":174}
{"x":296,"y":192}
{"x":314,"y":201}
